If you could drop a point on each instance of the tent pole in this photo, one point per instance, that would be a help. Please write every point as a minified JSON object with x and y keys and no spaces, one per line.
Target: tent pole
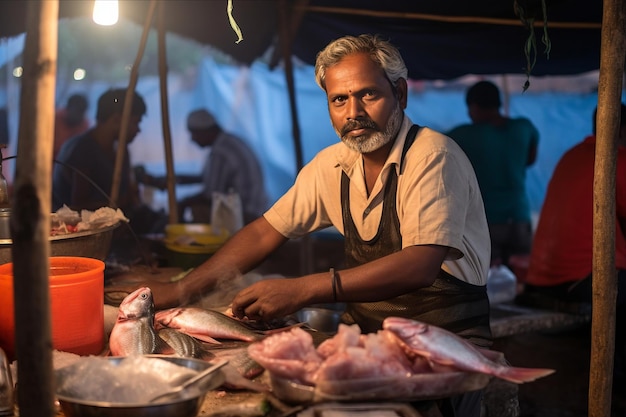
{"x":30,"y":216}
{"x":165,"y":117}
{"x":306,"y":255}
{"x":612,"y":52}
{"x":134,"y":74}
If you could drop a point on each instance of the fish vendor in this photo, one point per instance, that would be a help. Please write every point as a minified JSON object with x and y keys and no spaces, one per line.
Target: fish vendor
{"x":404,"y":196}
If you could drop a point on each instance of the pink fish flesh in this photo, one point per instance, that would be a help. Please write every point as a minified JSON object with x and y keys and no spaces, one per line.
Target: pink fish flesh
{"x":445,"y":348}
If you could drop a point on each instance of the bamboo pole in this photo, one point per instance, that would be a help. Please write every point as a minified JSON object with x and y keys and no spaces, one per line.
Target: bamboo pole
{"x":165,"y":117}
{"x":128,"y":100}
{"x":30,"y":215}
{"x":612,"y":52}
{"x":286,"y":36}
{"x":380,"y":14}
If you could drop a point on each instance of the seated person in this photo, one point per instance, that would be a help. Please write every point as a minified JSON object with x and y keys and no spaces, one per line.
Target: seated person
{"x":501,"y":149}
{"x":83,"y":174}
{"x":561,"y":258}
{"x":231,"y":166}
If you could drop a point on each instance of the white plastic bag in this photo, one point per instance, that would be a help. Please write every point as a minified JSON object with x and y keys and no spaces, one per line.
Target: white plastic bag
{"x":226,"y":213}
{"x":501,"y":285}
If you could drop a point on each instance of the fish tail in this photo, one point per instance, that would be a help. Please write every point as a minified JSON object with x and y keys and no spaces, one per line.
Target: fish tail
{"x":520,"y":375}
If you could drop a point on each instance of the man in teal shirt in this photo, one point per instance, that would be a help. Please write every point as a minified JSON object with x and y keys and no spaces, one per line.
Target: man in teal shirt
{"x":500,"y":149}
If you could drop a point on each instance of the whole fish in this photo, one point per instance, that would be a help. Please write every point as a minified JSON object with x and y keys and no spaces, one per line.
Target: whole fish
{"x":206,"y":325}
{"x":133,"y":332}
{"x":445,"y":348}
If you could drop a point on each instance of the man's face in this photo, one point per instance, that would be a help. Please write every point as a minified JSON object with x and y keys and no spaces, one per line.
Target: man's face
{"x":203,"y":137}
{"x":133,"y":127}
{"x":364,"y":111}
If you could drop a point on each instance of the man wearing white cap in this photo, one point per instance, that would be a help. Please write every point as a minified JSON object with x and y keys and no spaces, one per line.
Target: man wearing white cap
{"x":231,"y":166}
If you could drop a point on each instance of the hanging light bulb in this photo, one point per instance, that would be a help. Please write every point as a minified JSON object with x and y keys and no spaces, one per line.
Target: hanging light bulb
{"x":105,"y":12}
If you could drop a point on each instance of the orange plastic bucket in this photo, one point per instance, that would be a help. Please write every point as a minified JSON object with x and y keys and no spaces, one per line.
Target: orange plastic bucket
{"x":76,"y":305}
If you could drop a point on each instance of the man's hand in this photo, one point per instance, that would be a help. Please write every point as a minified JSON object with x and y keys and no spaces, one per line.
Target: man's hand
{"x":270,"y":299}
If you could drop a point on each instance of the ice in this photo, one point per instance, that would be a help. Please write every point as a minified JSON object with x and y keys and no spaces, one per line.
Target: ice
{"x":134,"y":379}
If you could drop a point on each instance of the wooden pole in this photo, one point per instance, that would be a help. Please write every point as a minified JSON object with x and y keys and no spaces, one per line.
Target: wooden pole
{"x":612,"y":52}
{"x":30,"y":215}
{"x":306,"y":249}
{"x":128,"y":100}
{"x":165,"y":118}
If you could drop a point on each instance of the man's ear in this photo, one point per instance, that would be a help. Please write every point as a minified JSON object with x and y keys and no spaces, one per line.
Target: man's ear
{"x":401,"y":92}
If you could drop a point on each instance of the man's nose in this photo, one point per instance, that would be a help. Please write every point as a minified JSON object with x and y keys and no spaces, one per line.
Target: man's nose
{"x":355,"y":109}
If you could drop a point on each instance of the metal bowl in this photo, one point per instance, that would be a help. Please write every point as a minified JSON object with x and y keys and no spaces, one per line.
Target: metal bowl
{"x":88,"y":244}
{"x":325,"y":320}
{"x":186,"y":406}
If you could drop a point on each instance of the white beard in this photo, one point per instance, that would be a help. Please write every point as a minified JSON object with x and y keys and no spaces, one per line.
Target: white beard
{"x":370,"y":143}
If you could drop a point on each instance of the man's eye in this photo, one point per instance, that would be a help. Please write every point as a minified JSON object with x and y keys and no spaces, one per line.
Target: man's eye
{"x":339,"y":100}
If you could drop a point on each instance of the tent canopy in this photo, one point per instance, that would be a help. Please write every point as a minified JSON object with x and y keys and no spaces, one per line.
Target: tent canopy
{"x":439,"y":40}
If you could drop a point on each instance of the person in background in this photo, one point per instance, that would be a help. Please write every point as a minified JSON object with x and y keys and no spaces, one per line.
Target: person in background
{"x":405,"y":197}
{"x":83,"y":176}
{"x":500,"y":149}
{"x":231,"y":166}
{"x":70,"y":121}
{"x":562,"y":256}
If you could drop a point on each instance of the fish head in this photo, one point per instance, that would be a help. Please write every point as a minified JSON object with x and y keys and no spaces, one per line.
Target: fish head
{"x":166,"y":318}
{"x":136,"y":305}
{"x":405,"y":328}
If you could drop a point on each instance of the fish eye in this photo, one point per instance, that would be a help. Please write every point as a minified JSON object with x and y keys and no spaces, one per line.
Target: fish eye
{"x":144,"y":296}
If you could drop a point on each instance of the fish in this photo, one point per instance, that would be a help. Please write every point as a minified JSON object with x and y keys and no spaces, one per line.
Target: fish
{"x":236,"y":353}
{"x":184,"y":345}
{"x":133,"y":332}
{"x":206,"y":325}
{"x":446,"y":348}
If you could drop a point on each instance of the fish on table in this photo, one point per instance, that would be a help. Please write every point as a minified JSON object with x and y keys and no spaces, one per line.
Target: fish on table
{"x":446,"y":348}
{"x":135,"y":333}
{"x":206,"y":325}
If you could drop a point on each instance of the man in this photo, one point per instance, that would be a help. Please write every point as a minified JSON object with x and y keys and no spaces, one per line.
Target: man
{"x":405,"y":198}
{"x":70,"y":121}
{"x":231,"y":166}
{"x":562,"y":256}
{"x":83,"y":177}
{"x":500,"y":149}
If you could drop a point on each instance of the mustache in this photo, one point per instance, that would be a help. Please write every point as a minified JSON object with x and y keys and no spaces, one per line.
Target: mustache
{"x":358,"y":124}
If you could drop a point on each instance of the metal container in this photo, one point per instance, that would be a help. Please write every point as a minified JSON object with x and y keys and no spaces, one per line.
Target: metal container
{"x":178,"y":407}
{"x":89,"y":244}
{"x":6,"y":386}
{"x":325,"y":320}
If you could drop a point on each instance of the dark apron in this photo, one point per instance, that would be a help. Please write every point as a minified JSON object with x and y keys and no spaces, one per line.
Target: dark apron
{"x":449,"y":303}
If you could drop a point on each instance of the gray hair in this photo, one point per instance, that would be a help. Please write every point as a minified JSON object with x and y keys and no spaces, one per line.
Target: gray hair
{"x":380,"y":51}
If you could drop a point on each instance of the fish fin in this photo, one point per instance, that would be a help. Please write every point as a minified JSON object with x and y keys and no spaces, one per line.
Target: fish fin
{"x":163,"y":348}
{"x":205,"y":355}
{"x":203,"y":337}
{"x":519,"y":375}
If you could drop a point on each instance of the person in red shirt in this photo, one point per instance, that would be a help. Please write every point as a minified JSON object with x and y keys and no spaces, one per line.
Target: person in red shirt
{"x":70,"y":121}
{"x":561,"y":256}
